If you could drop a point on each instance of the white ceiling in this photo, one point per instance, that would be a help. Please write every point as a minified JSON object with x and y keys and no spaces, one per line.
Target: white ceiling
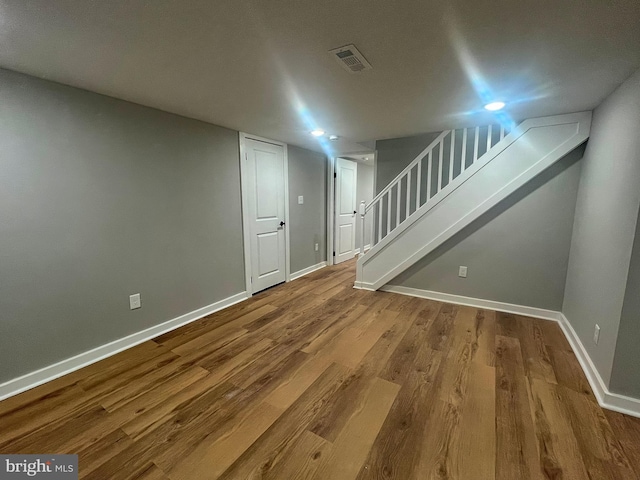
{"x":366,"y":158}
{"x":262,"y":66}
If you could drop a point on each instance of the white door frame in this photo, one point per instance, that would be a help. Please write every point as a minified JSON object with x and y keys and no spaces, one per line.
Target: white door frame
{"x":246,"y":237}
{"x":330,"y":207}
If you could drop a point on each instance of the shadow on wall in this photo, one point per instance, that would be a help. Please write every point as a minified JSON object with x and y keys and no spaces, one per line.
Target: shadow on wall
{"x":517,"y":252}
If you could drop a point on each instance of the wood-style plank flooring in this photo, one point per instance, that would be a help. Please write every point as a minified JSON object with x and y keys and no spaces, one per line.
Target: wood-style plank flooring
{"x":316,"y":380}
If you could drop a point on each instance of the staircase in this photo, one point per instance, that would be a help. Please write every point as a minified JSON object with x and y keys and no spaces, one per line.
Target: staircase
{"x":461,"y":175}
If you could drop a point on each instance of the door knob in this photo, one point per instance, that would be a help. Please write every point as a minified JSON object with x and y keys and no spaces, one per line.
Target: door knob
{"x":354,"y":212}
{"x":282,"y":224}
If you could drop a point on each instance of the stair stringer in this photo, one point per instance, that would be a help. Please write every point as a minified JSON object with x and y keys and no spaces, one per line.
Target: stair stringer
{"x":531,"y":148}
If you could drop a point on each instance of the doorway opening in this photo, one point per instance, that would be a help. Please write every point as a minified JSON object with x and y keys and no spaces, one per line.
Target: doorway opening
{"x":350,"y":183}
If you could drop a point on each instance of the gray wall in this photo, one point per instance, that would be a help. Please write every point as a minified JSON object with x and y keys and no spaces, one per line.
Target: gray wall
{"x":516,"y":253}
{"x":394,"y":154}
{"x":100,"y":199}
{"x":625,"y":374}
{"x":605,"y":224}
{"x":364,"y":192}
{"x":307,"y":222}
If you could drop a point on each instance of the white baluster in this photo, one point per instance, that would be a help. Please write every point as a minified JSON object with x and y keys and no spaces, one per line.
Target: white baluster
{"x":440,"y":165}
{"x":362,"y":223}
{"x":451,"y":158}
{"x":464,"y":151}
{"x":429,"y":175}
{"x":501,"y":132}
{"x":489,"y":137}
{"x":372,"y":225}
{"x":406,"y":215}
{"x":398,"y":204}
{"x":379,"y":210}
{"x":389,"y":211}
{"x":475,"y":144}
{"x":418,"y":184}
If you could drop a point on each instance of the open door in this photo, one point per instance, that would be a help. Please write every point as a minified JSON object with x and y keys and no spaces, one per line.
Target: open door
{"x":346,"y":182}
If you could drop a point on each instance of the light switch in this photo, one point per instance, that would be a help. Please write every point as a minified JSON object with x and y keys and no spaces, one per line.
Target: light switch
{"x":134,"y":301}
{"x":300,"y":200}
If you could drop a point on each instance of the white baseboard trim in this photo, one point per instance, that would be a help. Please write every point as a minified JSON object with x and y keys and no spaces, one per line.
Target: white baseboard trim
{"x":364,"y":286}
{"x":606,"y":399}
{"x":475,"y":302}
{"x":46,"y":374}
{"x":308,"y":270}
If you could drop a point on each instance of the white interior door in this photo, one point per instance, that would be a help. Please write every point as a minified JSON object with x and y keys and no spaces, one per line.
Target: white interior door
{"x":345,"y":210}
{"x":265,"y":175}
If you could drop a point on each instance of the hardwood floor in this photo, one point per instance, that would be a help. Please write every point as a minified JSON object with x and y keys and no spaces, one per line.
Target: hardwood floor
{"x":316,"y":380}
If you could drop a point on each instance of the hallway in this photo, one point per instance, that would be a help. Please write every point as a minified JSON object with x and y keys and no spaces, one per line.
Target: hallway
{"x":315,"y":379}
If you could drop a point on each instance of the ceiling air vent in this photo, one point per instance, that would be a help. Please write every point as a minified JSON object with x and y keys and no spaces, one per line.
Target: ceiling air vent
{"x":351,"y":59}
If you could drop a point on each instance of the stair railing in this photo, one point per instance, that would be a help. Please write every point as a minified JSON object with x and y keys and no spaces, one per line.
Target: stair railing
{"x":448,"y":156}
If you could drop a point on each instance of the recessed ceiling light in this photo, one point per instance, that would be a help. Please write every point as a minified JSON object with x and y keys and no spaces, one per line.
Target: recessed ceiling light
{"x":333,"y":137}
{"x":318,"y":132}
{"x":494,"y":106}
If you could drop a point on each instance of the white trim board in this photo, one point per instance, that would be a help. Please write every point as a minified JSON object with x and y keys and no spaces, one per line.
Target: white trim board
{"x":331,"y":168}
{"x":287,"y":230}
{"x":369,"y":286}
{"x":46,"y":374}
{"x":308,"y":270}
{"x":475,"y":302}
{"x":609,"y":400}
{"x":366,"y":248}
{"x":606,"y":399}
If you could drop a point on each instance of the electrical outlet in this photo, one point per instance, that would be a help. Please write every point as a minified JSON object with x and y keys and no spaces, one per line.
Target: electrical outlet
{"x":316,"y":247}
{"x":462,"y":272}
{"x":134,"y":301}
{"x":300,"y":200}
{"x":596,"y":334}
